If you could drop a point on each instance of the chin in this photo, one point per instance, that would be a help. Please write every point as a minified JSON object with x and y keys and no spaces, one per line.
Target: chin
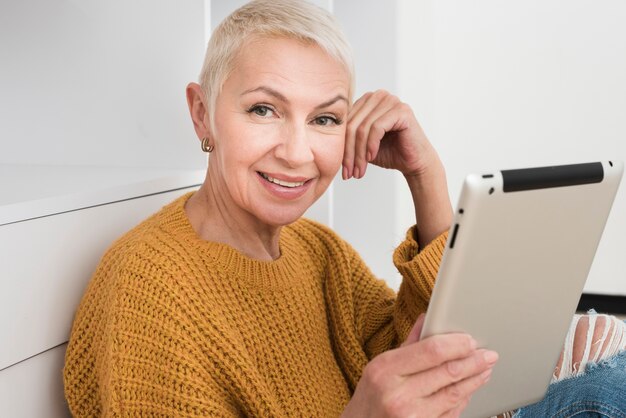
{"x":281,"y":216}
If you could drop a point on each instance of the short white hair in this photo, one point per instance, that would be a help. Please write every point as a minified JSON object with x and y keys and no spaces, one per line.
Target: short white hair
{"x":292,"y":19}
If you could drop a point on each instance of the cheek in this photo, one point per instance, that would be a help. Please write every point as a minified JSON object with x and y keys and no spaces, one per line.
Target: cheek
{"x":329,"y":155}
{"x":246,"y":145}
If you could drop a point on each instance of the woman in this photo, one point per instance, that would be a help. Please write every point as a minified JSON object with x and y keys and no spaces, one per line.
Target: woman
{"x":227,"y":303}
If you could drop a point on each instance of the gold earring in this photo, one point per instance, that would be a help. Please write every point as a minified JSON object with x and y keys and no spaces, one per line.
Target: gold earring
{"x":205,"y":145}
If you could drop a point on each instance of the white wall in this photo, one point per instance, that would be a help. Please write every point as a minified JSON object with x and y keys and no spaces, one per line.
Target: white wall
{"x":99,"y":82}
{"x":511,"y":84}
{"x":495,"y":85}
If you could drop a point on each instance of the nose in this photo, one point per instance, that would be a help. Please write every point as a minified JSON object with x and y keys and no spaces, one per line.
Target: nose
{"x":295,"y":145}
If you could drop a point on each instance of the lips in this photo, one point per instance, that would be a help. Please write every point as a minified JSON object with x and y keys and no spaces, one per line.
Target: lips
{"x":285,"y":187}
{"x":284,"y":183}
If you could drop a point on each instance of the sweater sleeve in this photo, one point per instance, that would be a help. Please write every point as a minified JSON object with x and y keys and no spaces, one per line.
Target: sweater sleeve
{"x":384,"y":318}
{"x":419,"y":268}
{"x":132,"y":353}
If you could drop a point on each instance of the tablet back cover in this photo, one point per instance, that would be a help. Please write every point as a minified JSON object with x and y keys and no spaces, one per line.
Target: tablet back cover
{"x":517,"y":257}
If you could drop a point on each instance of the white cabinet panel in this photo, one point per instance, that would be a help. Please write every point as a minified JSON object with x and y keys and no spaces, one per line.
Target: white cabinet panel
{"x":46,"y":264}
{"x":34,"y":191}
{"x":34,"y":388}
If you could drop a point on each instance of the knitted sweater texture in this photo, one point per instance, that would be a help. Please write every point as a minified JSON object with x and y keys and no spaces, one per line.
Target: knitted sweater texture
{"x":174,"y":326}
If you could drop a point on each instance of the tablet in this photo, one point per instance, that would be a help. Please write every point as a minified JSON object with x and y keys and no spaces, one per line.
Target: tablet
{"x":515,"y":264}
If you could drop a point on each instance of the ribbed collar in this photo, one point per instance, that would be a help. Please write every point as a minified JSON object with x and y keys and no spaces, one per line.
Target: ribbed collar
{"x":285,"y":271}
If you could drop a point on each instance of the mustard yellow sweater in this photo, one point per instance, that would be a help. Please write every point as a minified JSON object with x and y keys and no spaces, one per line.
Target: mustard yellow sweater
{"x":171,"y":325}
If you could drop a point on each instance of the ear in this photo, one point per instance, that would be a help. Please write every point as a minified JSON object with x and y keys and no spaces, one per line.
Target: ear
{"x":198,"y":109}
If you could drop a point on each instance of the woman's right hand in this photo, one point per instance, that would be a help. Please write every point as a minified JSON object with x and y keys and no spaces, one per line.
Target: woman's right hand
{"x":433,"y":377}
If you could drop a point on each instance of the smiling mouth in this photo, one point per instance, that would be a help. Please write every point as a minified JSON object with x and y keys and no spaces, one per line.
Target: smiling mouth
{"x":290,"y":184}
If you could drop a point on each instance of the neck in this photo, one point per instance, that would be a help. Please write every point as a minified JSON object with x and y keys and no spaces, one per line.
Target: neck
{"x":218,"y":219}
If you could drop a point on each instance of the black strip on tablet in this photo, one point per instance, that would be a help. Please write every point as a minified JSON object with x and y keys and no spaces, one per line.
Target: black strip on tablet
{"x":554,"y":176}
{"x":454,"y":232}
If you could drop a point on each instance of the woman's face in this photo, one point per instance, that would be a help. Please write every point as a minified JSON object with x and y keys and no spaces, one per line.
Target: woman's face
{"x":279,"y":129}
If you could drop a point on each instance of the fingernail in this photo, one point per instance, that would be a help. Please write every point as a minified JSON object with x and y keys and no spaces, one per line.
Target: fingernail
{"x":369,"y":156}
{"x":486,"y":375}
{"x":344,"y":173}
{"x":356,"y":172}
{"x":490,"y":356}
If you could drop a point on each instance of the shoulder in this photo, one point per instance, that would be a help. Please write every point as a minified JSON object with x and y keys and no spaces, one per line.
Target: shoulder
{"x":138,"y":283}
{"x":146,"y":255}
{"x":158,"y":238}
{"x":135,"y":307}
{"x":150,"y":230}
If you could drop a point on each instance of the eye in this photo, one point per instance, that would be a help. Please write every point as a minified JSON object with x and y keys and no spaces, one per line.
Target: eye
{"x":327,"y":120}
{"x":261,"y":110}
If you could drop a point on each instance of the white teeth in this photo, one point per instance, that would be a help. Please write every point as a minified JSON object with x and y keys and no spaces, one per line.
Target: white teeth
{"x":281,"y":182}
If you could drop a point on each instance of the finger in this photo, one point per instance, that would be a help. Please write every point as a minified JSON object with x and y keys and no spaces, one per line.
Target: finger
{"x":356,"y":131}
{"x":358,"y":104}
{"x":437,"y":378}
{"x":352,"y":133}
{"x":428,"y":353}
{"x":397,"y":119}
{"x":348,"y":154}
{"x":416,"y":331}
{"x":454,"y":396}
{"x":365,"y":132}
{"x":450,"y":401}
{"x":456,"y":412}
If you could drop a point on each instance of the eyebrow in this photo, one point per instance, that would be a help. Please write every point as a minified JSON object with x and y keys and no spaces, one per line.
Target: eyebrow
{"x":282,"y":98}
{"x":332,"y":101}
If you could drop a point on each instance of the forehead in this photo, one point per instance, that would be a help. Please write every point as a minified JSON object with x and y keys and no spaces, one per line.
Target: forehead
{"x":287,"y":63}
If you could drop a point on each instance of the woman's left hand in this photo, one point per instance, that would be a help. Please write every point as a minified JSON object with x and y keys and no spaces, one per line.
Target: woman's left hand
{"x":384,"y":131}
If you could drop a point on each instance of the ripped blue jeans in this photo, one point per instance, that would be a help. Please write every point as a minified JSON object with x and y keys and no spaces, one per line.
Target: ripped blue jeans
{"x":598,"y":389}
